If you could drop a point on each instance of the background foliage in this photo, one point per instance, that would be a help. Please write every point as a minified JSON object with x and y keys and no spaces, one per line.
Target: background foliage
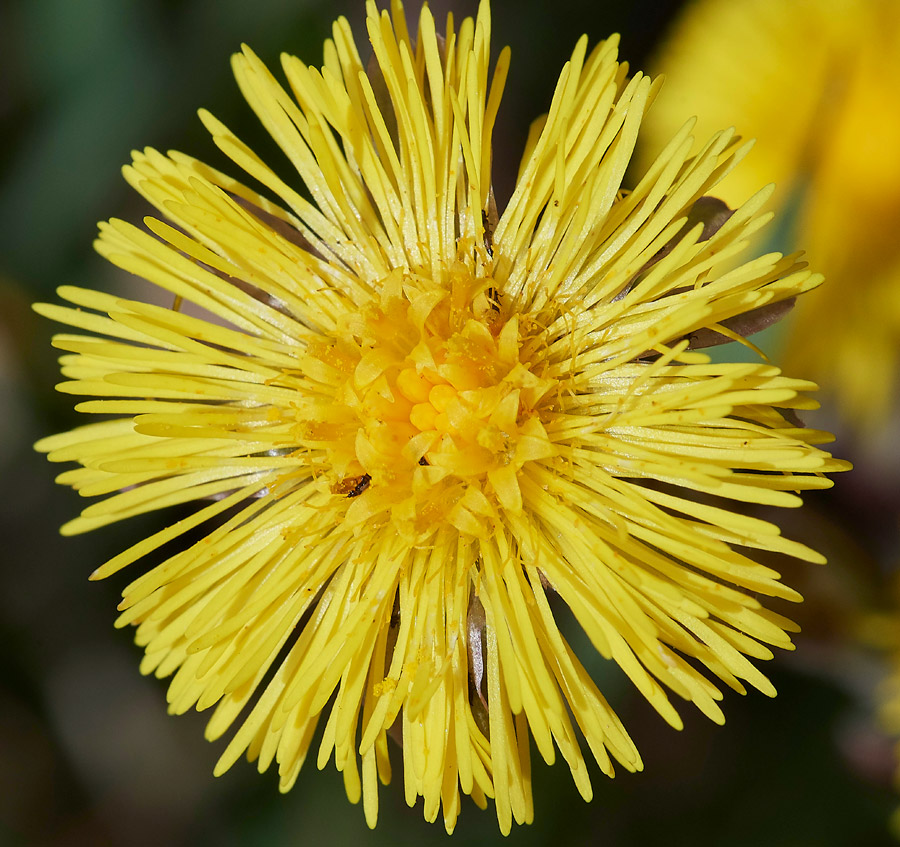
{"x":87,"y":753}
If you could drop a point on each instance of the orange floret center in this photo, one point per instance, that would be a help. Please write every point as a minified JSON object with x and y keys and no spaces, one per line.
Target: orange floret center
{"x":424,"y":393}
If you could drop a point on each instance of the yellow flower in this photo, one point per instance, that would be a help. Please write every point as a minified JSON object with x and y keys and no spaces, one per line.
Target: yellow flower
{"x":412,"y":429}
{"x":816,"y":82}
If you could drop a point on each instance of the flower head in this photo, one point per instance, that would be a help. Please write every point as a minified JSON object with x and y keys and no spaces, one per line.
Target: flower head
{"x":830,"y":142}
{"x":413,"y":428}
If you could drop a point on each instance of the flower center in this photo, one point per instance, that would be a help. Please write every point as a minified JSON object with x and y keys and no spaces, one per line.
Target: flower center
{"x":425,"y":413}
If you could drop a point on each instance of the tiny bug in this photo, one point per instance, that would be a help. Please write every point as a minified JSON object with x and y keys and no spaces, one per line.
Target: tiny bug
{"x":352,"y":486}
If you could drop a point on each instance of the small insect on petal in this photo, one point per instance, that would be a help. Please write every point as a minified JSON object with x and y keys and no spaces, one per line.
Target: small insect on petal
{"x":352,"y":486}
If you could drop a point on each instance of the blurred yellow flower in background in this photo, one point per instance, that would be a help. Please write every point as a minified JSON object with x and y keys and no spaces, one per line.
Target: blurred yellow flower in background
{"x":817,"y":84}
{"x":414,"y":430}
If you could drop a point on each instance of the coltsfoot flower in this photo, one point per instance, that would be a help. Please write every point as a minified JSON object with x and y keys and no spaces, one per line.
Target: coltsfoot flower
{"x":413,"y":429}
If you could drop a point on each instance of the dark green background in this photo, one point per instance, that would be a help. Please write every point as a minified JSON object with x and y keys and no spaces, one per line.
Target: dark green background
{"x":87,"y":753}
